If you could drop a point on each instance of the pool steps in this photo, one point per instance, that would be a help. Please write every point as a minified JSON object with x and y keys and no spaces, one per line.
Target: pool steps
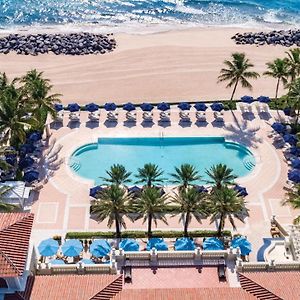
{"x":248,"y":163}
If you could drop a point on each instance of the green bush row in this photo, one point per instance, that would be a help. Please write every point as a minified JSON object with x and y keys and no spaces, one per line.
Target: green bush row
{"x":143,"y":234}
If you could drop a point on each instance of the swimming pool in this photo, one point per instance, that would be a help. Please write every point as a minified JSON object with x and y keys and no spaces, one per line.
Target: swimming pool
{"x":91,"y":160}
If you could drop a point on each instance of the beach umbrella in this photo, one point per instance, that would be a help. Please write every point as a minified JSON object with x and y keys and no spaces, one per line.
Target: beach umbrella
{"x":184,"y":244}
{"x":129,"y":245}
{"x":48,"y":247}
{"x":57,"y":262}
{"x":201,"y":188}
{"x":11,"y":159}
{"x":213,"y":243}
{"x":200,"y":106}
{"x":294,"y":175}
{"x":217,"y":106}
{"x":163,"y":106}
{"x":87,"y":261}
{"x":72,"y":248}
{"x":129,"y":106}
{"x":134,"y":189}
{"x":184,"y":106}
{"x":247,"y":99}
{"x":72,"y":107}
{"x":58,"y":107}
{"x":35,"y":136}
{"x":296,"y":163}
{"x":146,"y":107}
{"x":157,"y":243}
{"x":263,"y":99}
{"x":287,"y":111}
{"x":291,"y":139}
{"x":242,"y":191}
{"x":295,"y":150}
{"x":26,"y":149}
{"x":95,"y":190}
{"x":92,"y":107}
{"x":244,"y":245}
{"x":278,"y":127}
{"x":26,"y":162}
{"x":100,"y":248}
{"x":31,"y":176}
{"x":110,"y":106}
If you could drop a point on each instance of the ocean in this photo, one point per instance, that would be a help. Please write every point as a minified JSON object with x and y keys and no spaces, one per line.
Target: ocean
{"x":146,"y":15}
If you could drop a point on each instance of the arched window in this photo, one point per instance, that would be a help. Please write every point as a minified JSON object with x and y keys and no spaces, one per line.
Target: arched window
{"x":3,"y":284}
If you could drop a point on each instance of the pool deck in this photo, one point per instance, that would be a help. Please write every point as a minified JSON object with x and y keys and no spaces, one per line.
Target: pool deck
{"x":63,"y":202}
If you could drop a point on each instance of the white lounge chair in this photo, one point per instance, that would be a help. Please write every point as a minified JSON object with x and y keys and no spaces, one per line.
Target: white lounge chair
{"x":164,"y":116}
{"x":201,"y":116}
{"x":148,"y":116}
{"x":112,"y":116}
{"x":94,"y":116}
{"x":131,"y":116}
{"x":184,"y":116}
{"x":218,"y":116}
{"x":59,"y":117}
{"x":74,"y":117}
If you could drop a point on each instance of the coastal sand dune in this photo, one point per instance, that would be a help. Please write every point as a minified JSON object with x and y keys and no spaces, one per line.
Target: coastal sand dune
{"x":173,"y":66}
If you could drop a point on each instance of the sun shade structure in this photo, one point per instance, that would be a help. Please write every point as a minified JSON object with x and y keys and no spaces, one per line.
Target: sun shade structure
{"x":184,"y":106}
{"x":294,"y":175}
{"x":110,"y":106}
{"x":72,"y":248}
{"x":95,"y":190}
{"x":35,"y":136}
{"x":100,"y":248}
{"x":291,"y":139}
{"x":26,"y":162}
{"x":157,"y":243}
{"x":73,"y":107}
{"x":244,"y":245}
{"x":213,"y":243}
{"x":146,"y":107}
{"x":129,"y":245}
{"x":58,"y":107}
{"x":200,"y":106}
{"x":48,"y":247}
{"x":163,"y":106}
{"x":217,"y":107}
{"x":287,"y":111}
{"x":31,"y":176}
{"x":278,"y":127}
{"x":129,"y":106}
{"x":263,"y":99}
{"x":242,"y":191}
{"x":295,"y":151}
{"x":92,"y":107}
{"x":184,"y":244}
{"x":247,"y":99}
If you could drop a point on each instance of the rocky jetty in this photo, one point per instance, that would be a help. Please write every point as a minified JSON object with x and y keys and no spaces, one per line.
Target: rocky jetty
{"x":67,"y":44}
{"x":285,"y":38}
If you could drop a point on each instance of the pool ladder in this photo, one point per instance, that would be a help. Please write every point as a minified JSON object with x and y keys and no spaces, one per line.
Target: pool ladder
{"x":74,"y":164}
{"x":248,"y":163}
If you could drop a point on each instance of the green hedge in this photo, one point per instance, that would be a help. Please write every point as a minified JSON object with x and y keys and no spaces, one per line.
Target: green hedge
{"x":143,"y":234}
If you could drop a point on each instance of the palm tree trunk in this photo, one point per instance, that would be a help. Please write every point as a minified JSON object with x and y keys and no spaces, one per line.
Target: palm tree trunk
{"x":186,"y":224}
{"x":118,"y":229}
{"x":234,"y":89}
{"x":220,"y":227}
{"x":277,"y":87}
{"x":149,"y":225}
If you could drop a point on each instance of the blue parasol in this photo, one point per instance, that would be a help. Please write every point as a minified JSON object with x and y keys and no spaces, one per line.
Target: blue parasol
{"x":26,"y":162}
{"x":213,"y":243}
{"x":146,"y":107}
{"x":242,"y":191}
{"x":184,"y":244}
{"x":287,"y":111}
{"x":163,"y":106}
{"x":72,"y":248}
{"x":26,"y":149}
{"x":263,"y":99}
{"x":129,"y":245}
{"x":95,"y":190}
{"x":294,"y":175}
{"x":129,"y":106}
{"x":58,"y":107}
{"x":278,"y":127}
{"x":295,"y":151}
{"x":35,"y":136}
{"x":200,"y":106}
{"x":291,"y":139}
{"x":247,"y":99}
{"x":244,"y":245}
{"x":72,"y":107}
{"x":296,"y":163}
{"x":48,"y":247}
{"x":110,"y":106}
{"x":100,"y":248}
{"x":184,"y":106}
{"x":31,"y":176}
{"x":157,"y":243}
{"x":217,"y":106}
{"x":92,"y":107}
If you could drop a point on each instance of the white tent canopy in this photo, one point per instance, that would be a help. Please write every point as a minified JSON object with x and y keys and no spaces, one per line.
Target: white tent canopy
{"x":18,"y":194}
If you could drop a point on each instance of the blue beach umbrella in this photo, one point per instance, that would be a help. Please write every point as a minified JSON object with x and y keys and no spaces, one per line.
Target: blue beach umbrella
{"x":135,"y":190}
{"x":26,"y":149}
{"x":295,"y":151}
{"x":57,"y":262}
{"x":247,"y":99}
{"x":26,"y":162}
{"x":58,"y":107}
{"x":11,"y":159}
{"x":100,"y":248}
{"x":110,"y":106}
{"x":213,"y":243}
{"x":291,"y":139}
{"x":146,"y":107}
{"x":72,"y":248}
{"x":48,"y":247}
{"x":31,"y":176}
{"x":87,"y":261}
{"x":263,"y":99}
{"x":129,"y":106}
{"x":72,"y":107}
{"x":35,"y":136}
{"x":201,"y":189}
{"x":184,"y":244}
{"x":296,"y":163}
{"x":92,"y":107}
{"x":217,"y":106}
{"x":294,"y":175}
{"x":278,"y":127}
{"x":242,"y":191}
{"x":200,"y":106}
{"x":163,"y":106}
{"x":95,"y":190}
{"x":244,"y":245}
{"x":287,"y":111}
{"x":157,"y":243}
{"x":129,"y":245}
{"x":184,"y":106}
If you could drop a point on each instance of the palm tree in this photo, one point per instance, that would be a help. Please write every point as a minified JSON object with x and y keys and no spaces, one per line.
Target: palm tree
{"x":238,"y":70}
{"x":190,"y":204}
{"x":226,"y":204}
{"x":118,"y":175}
{"x":4,"y":150}
{"x":278,"y":69}
{"x":185,"y":175}
{"x":150,"y":175}
{"x":220,"y":175}
{"x":6,"y":207}
{"x":293,"y":199}
{"x":294,"y":97}
{"x":112,"y":203}
{"x":293,"y":61}
{"x":151,"y":206}
{"x":3,"y":81}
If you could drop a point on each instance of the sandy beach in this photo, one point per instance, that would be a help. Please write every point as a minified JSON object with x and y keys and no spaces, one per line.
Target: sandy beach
{"x":172,"y":66}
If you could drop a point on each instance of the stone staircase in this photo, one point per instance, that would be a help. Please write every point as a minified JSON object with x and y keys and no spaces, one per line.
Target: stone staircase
{"x":110,"y":291}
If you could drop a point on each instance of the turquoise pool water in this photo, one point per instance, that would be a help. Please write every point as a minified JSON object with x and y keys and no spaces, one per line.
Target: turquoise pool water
{"x":91,"y":160}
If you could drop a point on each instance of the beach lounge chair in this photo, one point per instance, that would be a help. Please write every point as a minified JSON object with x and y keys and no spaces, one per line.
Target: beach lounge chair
{"x":94,"y":116}
{"x":218,"y":116}
{"x":184,"y":116}
{"x":148,"y":116}
{"x":59,"y":117}
{"x":131,"y":116}
{"x":164,"y":116}
{"x":201,"y":116}
{"x":112,"y":116}
{"x":127,"y":274}
{"x":74,"y":117}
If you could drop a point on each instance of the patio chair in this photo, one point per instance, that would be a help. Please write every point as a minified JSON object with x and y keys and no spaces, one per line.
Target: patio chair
{"x":201,"y":116}
{"x":148,"y":116}
{"x":218,"y":116}
{"x":94,"y":116}
{"x":184,"y":116}
{"x":164,"y":116}
{"x":127,"y":274}
{"x":74,"y":117}
{"x":59,"y":117}
{"x":131,"y":116}
{"x":112,"y":116}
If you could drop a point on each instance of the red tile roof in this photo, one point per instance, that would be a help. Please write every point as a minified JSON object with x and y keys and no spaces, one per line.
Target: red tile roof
{"x":283,"y":284}
{"x":15,"y":231}
{"x":184,"y":294}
